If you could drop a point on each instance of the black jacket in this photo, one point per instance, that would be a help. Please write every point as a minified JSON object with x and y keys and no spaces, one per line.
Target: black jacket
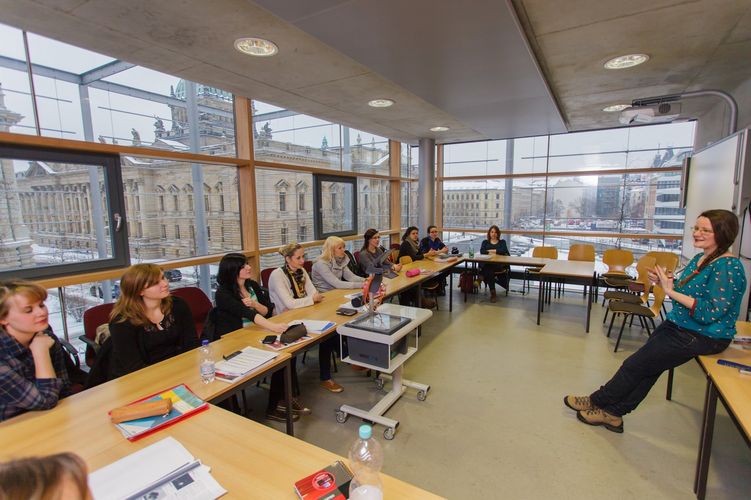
{"x":230,"y":309}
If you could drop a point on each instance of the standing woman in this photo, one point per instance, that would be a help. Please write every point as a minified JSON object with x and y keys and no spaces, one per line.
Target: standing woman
{"x":706,"y":303}
{"x":494,"y":245}
{"x":291,"y":288}
{"x":32,"y":361}
{"x":431,"y":244}
{"x":331,"y":270}
{"x":147,"y":324}
{"x":240,"y":302}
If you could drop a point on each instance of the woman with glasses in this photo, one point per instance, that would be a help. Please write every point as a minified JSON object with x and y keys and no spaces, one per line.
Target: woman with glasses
{"x":706,"y":303}
{"x":290,"y":287}
{"x":372,"y":251}
{"x":240,"y":302}
{"x":32,"y":362}
{"x":147,"y":324}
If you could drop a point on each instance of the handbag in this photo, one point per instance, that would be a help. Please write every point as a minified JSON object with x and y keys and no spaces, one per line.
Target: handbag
{"x":293,"y":333}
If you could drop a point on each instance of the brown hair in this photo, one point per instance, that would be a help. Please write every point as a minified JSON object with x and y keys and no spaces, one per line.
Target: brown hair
{"x":28,"y":289}
{"x":497,"y":230}
{"x":39,"y":478}
{"x":129,"y":306}
{"x":725,"y":227}
{"x":367,"y":237}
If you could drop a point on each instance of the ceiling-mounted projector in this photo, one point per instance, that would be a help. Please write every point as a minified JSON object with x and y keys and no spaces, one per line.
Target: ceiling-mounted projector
{"x":659,"y":113}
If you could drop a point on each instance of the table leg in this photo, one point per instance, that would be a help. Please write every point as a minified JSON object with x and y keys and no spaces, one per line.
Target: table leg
{"x":451,"y":290}
{"x":705,"y":444}
{"x":541,"y":286}
{"x":589,"y":302}
{"x":288,"y":395}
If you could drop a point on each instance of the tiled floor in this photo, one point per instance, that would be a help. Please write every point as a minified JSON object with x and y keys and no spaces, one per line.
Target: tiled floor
{"x":494,"y":425}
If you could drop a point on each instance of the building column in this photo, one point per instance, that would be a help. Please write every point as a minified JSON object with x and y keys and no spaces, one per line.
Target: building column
{"x":426,"y":184}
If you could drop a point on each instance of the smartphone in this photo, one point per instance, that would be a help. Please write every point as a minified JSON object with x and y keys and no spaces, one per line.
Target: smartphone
{"x":269,"y":339}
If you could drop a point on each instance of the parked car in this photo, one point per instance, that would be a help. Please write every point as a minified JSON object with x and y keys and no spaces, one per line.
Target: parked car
{"x":173,"y":275}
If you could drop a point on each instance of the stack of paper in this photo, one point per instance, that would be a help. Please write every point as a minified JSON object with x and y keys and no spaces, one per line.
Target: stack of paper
{"x":240,"y":365}
{"x":163,"y":470}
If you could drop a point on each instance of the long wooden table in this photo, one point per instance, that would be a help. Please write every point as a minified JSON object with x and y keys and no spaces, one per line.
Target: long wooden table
{"x":734,"y":390}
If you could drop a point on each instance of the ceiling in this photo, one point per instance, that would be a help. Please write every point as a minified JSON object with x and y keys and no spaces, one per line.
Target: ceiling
{"x":487,"y":69}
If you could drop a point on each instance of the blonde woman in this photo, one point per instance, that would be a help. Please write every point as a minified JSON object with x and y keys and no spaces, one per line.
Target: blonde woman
{"x":290,"y":287}
{"x":32,"y":361}
{"x":147,"y":324}
{"x":331,"y":270}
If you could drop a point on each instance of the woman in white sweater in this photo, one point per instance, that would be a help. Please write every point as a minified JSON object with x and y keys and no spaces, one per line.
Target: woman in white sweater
{"x":290,"y":287}
{"x":331,"y":269}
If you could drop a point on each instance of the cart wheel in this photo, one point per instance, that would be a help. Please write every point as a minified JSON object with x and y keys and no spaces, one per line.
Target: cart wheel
{"x":422,"y":395}
{"x":389,"y":433}
{"x":379,"y":383}
{"x":341,"y":417}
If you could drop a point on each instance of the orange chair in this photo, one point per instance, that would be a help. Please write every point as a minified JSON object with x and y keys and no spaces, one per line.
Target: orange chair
{"x":199,"y":304}
{"x":638,"y":289}
{"x":616,"y":276}
{"x":92,"y":319}
{"x":582,"y":252}
{"x":539,"y":253}
{"x":645,"y":314}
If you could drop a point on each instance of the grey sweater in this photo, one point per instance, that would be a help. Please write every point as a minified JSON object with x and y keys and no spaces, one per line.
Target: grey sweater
{"x":334,"y":274}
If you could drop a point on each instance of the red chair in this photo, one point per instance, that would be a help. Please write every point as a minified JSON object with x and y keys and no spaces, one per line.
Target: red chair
{"x":199,"y":304}
{"x":308,"y":265}
{"x":265,"y":274}
{"x":92,"y":319}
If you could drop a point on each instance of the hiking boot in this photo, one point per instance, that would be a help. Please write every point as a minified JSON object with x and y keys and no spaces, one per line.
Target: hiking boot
{"x":297,"y":407}
{"x":281,"y":415}
{"x":578,"y":403}
{"x":493,"y":296}
{"x":332,"y":386}
{"x":597,"y":416}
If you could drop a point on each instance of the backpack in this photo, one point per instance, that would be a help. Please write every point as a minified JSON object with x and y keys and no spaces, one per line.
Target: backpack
{"x":467,"y":282}
{"x":99,"y":373}
{"x":209,"y":326}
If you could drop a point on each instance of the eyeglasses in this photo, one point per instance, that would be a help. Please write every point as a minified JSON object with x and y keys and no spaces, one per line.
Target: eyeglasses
{"x":702,"y":230}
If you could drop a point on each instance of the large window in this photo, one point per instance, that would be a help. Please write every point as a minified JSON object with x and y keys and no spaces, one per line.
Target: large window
{"x":336,"y":211}
{"x":60,"y":213}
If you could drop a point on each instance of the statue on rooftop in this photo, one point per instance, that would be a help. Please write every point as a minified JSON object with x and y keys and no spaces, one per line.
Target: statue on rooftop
{"x":136,"y":137}
{"x":159,"y":129}
{"x":265,"y":131}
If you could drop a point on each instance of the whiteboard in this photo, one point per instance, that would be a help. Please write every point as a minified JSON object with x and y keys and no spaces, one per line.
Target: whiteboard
{"x":711,"y":184}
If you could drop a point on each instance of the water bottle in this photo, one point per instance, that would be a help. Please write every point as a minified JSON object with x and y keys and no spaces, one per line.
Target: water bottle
{"x":366,"y":460}
{"x":207,"y":362}
{"x":471,"y":249}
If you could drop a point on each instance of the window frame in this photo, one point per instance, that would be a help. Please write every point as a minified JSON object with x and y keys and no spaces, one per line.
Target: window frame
{"x":318,"y":180}
{"x":118,"y":238}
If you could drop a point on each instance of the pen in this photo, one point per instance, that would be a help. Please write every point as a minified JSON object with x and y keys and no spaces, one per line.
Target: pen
{"x":230,"y":356}
{"x":733,"y":364}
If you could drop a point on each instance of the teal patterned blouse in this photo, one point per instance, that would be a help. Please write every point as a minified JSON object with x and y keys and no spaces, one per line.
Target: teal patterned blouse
{"x":718,"y":290}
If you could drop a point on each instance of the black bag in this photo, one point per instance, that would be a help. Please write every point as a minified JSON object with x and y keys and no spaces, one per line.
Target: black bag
{"x":354,"y":266}
{"x":99,"y":373}
{"x":293,"y":333}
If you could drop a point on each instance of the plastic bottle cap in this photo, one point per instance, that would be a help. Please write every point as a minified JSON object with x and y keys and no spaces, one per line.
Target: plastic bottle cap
{"x":204,"y":342}
{"x":366,"y":431}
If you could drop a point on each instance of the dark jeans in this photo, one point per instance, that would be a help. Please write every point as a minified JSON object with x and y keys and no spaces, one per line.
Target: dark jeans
{"x":488,"y":275}
{"x":668,"y":347}
{"x":325,"y":349}
{"x":276,"y":388}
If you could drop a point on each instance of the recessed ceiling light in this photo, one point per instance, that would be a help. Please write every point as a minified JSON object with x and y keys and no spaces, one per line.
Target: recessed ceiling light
{"x":256,"y":47}
{"x":626,"y":61}
{"x":438,"y":129}
{"x":615,"y":107}
{"x":381,"y":103}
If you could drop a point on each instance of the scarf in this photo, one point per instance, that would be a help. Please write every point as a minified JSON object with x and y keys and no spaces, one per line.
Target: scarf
{"x":413,"y":245}
{"x":297,"y":281}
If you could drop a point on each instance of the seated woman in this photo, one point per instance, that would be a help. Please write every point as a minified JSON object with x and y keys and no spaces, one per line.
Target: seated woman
{"x":431,"y":244}
{"x":32,"y":361}
{"x":331,"y":270}
{"x":147,"y":324}
{"x":494,"y":245}
{"x":240,"y":301}
{"x":63,"y":476}
{"x":291,"y":288}
{"x":706,"y":302}
{"x":410,"y":247}
{"x":371,"y":251}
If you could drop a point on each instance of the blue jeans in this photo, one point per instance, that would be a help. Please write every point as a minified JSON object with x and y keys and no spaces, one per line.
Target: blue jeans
{"x":668,"y":347}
